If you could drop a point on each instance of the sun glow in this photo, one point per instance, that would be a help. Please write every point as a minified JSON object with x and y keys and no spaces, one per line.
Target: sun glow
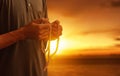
{"x":53,"y":46}
{"x":78,"y":34}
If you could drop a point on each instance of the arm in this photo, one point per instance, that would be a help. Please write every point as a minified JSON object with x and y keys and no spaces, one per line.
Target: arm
{"x":32,"y":30}
{"x":11,"y":37}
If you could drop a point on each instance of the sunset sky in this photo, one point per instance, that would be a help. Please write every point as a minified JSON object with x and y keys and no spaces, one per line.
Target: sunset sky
{"x":87,"y":24}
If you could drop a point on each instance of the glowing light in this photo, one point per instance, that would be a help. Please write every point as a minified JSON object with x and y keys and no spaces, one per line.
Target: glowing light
{"x":73,"y":41}
{"x":60,"y":47}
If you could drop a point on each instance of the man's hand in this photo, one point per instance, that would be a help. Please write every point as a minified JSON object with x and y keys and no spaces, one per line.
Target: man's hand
{"x":56,"y":29}
{"x":40,"y":29}
{"x":36,"y":30}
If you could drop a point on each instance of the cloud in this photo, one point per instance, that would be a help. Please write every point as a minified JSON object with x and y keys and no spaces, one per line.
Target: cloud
{"x":76,"y":7}
{"x":107,"y":18}
{"x":72,"y":7}
{"x":117,"y":45}
{"x":117,"y":39}
{"x":115,"y":3}
{"x":113,"y":31}
{"x":66,"y":7}
{"x":111,"y":3}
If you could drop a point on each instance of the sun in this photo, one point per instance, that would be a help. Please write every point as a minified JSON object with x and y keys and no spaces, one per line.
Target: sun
{"x":53,"y":46}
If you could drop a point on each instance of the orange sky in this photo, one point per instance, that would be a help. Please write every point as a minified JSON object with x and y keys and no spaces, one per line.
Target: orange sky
{"x":87,"y":24}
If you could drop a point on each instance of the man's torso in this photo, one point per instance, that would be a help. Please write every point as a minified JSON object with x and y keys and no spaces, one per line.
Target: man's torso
{"x":23,"y":58}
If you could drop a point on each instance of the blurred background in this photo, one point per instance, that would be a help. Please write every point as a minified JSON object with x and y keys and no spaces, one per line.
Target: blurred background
{"x":90,"y":44}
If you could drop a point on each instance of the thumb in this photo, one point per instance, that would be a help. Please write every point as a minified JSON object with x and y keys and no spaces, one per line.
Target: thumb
{"x":45,"y":20}
{"x":45,"y":26}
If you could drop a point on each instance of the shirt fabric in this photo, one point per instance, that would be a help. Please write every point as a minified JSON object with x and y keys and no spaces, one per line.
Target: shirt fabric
{"x":25,"y":57}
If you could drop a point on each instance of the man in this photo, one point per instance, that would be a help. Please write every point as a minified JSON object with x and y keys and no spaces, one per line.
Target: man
{"x":21,"y":33}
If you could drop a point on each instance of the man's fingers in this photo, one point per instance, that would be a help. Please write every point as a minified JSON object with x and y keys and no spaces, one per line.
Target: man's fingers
{"x":44,"y":33}
{"x":45,"y":36}
{"x":56,"y":22}
{"x":45,"y":20}
{"x":57,"y":33}
{"x":43,"y":29}
{"x":42,"y":26}
{"x":59,"y":28}
{"x":45,"y":26}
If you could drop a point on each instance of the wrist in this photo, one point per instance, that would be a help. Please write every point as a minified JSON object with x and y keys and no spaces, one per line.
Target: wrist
{"x":18,"y":34}
{"x":21,"y":33}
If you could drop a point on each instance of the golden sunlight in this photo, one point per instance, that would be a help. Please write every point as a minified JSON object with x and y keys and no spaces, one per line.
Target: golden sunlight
{"x":53,"y":46}
{"x":81,"y":36}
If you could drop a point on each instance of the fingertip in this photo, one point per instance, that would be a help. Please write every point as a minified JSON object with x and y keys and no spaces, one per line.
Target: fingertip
{"x":57,"y":21}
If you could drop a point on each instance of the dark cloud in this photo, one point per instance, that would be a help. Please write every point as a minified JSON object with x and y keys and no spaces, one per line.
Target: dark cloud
{"x":115,"y":3}
{"x":76,"y":7}
{"x":117,"y":39}
{"x":117,"y":45}
{"x":113,"y":31}
{"x":111,"y":3}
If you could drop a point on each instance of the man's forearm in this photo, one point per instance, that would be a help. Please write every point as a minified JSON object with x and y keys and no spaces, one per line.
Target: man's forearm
{"x":11,"y":38}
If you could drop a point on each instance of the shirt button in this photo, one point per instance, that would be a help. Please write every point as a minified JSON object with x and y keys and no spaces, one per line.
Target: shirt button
{"x":29,"y":4}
